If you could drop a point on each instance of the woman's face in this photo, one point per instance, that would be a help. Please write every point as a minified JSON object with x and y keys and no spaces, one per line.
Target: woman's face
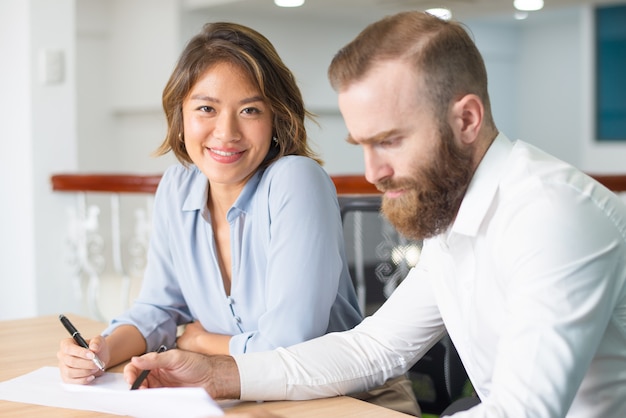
{"x":227,"y":125}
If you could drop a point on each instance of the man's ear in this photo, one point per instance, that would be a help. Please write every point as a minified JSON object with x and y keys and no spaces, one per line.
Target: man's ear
{"x":467,"y":117}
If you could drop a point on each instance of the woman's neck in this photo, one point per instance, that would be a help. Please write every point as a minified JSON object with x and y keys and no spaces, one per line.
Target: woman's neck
{"x":221,"y":198}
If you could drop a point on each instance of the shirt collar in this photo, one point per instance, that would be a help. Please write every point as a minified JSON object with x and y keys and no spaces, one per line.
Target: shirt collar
{"x":199,"y":192}
{"x":483,"y":187}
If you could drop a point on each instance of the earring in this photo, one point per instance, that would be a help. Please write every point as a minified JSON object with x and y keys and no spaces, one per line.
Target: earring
{"x":275,"y":139}
{"x":180,"y":137}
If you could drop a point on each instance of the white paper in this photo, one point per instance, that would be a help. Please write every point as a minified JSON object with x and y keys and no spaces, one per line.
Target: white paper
{"x":108,"y":393}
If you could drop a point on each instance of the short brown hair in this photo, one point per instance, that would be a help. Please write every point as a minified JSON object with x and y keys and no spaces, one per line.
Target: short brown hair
{"x":442,"y":52}
{"x":256,"y":56}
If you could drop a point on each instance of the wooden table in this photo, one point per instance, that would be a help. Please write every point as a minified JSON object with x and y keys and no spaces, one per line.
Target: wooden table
{"x":28,"y":344}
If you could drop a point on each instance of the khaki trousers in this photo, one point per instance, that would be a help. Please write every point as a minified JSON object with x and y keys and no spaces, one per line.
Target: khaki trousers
{"x":397,"y":394}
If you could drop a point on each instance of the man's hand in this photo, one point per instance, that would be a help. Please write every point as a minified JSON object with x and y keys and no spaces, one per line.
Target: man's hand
{"x":218,"y":375}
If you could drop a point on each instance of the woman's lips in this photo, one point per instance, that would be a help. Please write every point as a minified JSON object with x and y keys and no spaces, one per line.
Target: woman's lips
{"x":225,"y":156}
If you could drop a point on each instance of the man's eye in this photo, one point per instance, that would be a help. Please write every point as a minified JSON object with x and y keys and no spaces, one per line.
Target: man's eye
{"x":388,"y":142}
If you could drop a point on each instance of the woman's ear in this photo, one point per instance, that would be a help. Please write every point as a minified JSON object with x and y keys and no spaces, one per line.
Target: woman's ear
{"x":467,"y":118}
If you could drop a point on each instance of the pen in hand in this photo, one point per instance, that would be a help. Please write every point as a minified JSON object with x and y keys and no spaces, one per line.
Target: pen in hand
{"x":79,"y":339}
{"x":142,"y":376}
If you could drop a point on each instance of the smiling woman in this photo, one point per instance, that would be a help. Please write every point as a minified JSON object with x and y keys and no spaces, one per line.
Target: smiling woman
{"x":228,"y":128}
{"x":229,"y":255}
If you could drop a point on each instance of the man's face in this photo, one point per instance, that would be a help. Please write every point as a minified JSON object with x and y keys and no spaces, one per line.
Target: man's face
{"x":409,"y":155}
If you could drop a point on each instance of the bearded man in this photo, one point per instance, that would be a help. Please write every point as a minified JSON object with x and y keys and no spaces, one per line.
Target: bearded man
{"x":524,"y":258}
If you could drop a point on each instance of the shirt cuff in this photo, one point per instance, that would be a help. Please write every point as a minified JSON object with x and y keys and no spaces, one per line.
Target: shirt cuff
{"x":262,"y":377}
{"x":239,"y":343}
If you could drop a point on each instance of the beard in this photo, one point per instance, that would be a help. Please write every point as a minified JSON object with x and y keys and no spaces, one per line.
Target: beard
{"x":433,"y":194}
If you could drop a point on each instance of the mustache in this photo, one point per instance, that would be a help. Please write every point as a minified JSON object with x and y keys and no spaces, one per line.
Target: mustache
{"x":395,"y":184}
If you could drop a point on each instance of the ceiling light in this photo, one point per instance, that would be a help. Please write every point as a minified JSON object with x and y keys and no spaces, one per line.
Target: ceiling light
{"x":528,"y":5}
{"x":440,"y":12}
{"x":521,"y":15}
{"x":289,"y":3}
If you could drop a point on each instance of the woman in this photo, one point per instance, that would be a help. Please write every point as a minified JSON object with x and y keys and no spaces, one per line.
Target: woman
{"x":247,"y":246}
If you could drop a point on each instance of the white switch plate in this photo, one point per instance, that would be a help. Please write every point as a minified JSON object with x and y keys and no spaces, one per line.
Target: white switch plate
{"x":51,"y":66}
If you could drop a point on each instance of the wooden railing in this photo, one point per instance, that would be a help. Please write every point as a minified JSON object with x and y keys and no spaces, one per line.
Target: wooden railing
{"x":147,"y":183}
{"x":111,"y":183}
{"x":615,"y":182}
{"x":142,"y":183}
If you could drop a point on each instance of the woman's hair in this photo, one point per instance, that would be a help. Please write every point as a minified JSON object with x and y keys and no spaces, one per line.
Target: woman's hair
{"x":255,"y":55}
{"x":443,"y":55}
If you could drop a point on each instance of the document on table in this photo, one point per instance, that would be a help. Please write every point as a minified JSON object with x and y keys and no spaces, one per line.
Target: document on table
{"x":108,"y":393}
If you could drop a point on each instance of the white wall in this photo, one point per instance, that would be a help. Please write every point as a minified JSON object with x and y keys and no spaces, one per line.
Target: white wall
{"x":127,"y":49}
{"x":39,"y":139}
{"x":538,"y":75}
{"x":499,"y":45}
{"x":17,"y":280}
{"x":550,"y":82}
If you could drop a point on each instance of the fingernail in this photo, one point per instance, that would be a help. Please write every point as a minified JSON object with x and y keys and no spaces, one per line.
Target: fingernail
{"x":90,"y":378}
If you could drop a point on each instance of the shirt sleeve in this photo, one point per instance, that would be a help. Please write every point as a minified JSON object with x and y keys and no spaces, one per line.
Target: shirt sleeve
{"x":382,"y":346}
{"x":564,"y":263}
{"x":306,"y":270}
{"x":160,"y":305}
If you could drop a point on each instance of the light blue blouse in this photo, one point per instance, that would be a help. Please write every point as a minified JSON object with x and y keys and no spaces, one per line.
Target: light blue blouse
{"x":290,"y":279}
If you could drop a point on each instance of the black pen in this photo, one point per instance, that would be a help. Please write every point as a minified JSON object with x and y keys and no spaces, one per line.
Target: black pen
{"x":79,"y":339}
{"x":142,"y":376}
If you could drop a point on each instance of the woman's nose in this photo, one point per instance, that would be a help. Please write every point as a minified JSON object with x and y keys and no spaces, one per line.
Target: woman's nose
{"x":227,"y":128}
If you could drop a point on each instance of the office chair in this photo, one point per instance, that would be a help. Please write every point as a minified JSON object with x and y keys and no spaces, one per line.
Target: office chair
{"x":379,"y":259}
{"x":439,"y":377}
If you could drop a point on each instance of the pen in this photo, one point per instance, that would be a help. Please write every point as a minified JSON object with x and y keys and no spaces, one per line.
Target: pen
{"x":79,"y":339}
{"x":142,"y":376}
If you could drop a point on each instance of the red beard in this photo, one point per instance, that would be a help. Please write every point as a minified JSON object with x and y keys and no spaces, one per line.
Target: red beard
{"x":433,"y":195}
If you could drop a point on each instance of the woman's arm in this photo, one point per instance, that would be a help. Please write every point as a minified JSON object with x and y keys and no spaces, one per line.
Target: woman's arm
{"x":160,"y":306}
{"x":196,"y":338}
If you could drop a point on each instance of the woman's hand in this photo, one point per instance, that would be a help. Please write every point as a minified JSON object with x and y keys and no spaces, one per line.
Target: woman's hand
{"x":76,"y":363}
{"x":195,"y":338}
{"x":192,"y":336}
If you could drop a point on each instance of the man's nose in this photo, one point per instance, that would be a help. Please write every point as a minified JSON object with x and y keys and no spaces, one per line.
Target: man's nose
{"x":376,"y":168}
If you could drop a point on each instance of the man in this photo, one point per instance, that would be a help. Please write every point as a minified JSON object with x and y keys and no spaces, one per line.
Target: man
{"x":523,"y":261}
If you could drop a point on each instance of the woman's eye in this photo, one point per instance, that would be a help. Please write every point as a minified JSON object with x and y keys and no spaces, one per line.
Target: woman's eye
{"x":251,"y":111}
{"x":205,"y":108}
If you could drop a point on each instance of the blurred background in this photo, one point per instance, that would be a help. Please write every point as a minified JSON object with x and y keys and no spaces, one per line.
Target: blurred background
{"x":81,"y":84}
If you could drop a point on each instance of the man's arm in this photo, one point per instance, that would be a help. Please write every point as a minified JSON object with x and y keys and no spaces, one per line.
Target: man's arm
{"x":218,"y":375}
{"x":384,"y":345}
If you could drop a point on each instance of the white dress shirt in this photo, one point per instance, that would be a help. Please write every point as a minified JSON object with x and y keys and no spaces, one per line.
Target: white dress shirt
{"x":530,"y":283}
